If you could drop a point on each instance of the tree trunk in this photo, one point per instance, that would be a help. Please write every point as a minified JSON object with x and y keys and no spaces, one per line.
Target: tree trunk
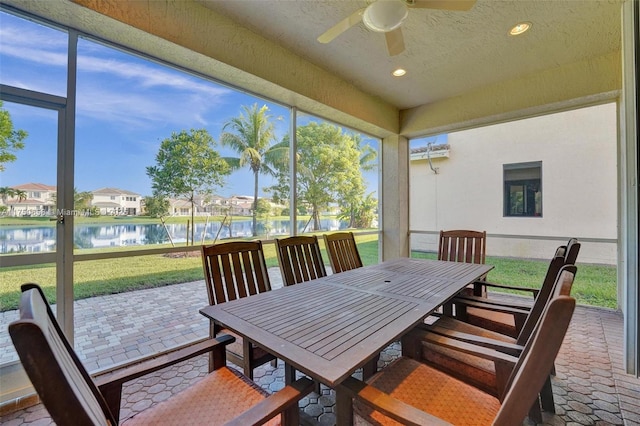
{"x":255,"y":203}
{"x":193,"y":222}
{"x":316,"y":219}
{"x":352,"y":217}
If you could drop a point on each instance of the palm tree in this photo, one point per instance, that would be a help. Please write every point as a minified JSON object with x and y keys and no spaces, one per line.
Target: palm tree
{"x":357,"y":204}
{"x":6,"y":192}
{"x":251,"y":135}
{"x":81,"y":200}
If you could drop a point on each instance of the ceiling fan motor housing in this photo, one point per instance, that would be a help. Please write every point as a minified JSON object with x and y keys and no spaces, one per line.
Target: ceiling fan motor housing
{"x":385,"y":15}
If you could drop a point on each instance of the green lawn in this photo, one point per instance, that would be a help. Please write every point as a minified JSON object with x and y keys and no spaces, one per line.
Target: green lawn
{"x":594,"y":285}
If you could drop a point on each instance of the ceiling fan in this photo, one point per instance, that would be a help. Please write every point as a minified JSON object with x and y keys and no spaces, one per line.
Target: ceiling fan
{"x":387,"y":16}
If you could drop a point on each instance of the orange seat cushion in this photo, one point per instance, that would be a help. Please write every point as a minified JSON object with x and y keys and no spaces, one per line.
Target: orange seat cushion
{"x":217,"y":398}
{"x":430,"y":391}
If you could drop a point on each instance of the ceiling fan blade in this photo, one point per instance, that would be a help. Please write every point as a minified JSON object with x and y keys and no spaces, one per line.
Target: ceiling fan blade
{"x":341,"y":26}
{"x":460,"y":5}
{"x":395,"y":42}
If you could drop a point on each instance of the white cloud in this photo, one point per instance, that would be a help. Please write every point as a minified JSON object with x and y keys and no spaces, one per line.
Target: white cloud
{"x":17,"y":32}
{"x":142,"y":110}
{"x":148,"y":76}
{"x":109,"y":88}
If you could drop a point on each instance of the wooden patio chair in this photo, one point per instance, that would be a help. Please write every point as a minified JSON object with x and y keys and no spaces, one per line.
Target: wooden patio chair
{"x":467,"y":366}
{"x":413,"y":393}
{"x":300,"y":259}
{"x":486,"y":312}
{"x":343,"y":251}
{"x":72,"y":397}
{"x":463,"y":246}
{"x":233,"y":270}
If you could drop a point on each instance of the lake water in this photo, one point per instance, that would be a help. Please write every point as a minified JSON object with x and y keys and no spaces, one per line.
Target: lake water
{"x":43,"y":239}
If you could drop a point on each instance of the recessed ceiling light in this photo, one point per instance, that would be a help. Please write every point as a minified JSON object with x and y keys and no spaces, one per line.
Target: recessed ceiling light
{"x":520,"y":28}
{"x":399,"y":72}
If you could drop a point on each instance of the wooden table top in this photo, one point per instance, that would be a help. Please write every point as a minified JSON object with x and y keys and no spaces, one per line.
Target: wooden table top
{"x":329,"y":327}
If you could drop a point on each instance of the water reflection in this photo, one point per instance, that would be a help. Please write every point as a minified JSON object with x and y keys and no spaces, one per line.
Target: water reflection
{"x":42,"y":239}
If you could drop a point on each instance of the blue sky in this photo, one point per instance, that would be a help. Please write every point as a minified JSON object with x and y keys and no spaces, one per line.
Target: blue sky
{"x":125,"y":106}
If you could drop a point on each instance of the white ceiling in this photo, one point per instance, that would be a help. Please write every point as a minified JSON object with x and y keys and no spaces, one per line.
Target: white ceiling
{"x":447,"y":53}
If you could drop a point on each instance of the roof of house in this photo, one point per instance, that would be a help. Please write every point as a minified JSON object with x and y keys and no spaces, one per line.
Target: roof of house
{"x":31,"y":186}
{"x":421,"y":149}
{"x":111,"y":191}
{"x":27,"y":202}
{"x":179,"y":202}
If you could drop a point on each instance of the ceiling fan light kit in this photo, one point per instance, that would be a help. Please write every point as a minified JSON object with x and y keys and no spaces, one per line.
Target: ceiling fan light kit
{"x":385,"y":15}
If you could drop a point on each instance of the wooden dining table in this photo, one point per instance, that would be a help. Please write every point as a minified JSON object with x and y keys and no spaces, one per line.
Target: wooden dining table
{"x":329,"y":327}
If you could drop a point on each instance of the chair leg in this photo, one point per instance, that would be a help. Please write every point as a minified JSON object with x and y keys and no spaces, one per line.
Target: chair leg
{"x":247,"y":352}
{"x":248,"y":371}
{"x":211,"y":362}
{"x":546,"y":396}
{"x":535,"y":413}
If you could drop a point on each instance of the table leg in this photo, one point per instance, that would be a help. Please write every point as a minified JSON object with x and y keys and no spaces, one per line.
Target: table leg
{"x":370,"y":368}
{"x":291,"y":416}
{"x":344,"y":408}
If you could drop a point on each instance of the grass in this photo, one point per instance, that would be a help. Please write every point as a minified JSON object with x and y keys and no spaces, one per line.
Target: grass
{"x":594,"y":285}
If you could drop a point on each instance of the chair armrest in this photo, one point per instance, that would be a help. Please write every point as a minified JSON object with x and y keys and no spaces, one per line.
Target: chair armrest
{"x":481,"y":283}
{"x":154,"y":363}
{"x":388,"y":405}
{"x":493,"y":302}
{"x":275,"y":403}
{"x":482,"y":303}
{"x":486,"y":342}
{"x":519,"y":314}
{"x":110,"y":382}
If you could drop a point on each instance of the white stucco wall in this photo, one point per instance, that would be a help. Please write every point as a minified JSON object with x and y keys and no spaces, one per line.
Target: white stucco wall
{"x":578,"y":150}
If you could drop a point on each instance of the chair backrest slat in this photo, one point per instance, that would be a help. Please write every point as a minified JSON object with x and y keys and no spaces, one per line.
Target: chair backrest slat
{"x":300,"y":259}
{"x":462,"y":246}
{"x":343,"y":251}
{"x":305,"y":260}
